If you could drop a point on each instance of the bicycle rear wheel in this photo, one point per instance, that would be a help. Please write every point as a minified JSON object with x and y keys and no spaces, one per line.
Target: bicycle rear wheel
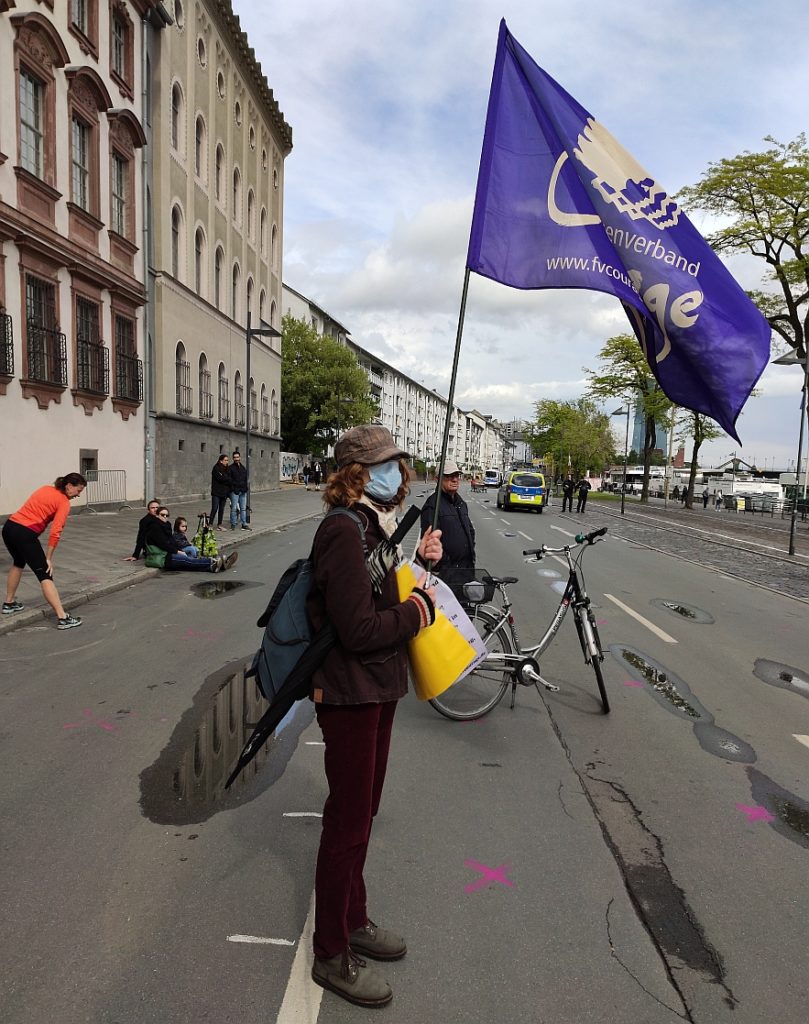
{"x":478,"y":692}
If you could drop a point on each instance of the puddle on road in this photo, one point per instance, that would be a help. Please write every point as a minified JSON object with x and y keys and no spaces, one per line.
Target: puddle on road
{"x":215,"y":588}
{"x":791,"y":813}
{"x":684,"y":611}
{"x":674,"y":694}
{"x":774,"y":673}
{"x":186,"y":785}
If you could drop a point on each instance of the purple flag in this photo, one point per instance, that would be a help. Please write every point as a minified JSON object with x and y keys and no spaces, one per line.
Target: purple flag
{"x":561,"y":204}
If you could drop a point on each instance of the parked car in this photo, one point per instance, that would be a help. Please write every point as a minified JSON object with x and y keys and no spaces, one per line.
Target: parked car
{"x":523,"y":490}
{"x":492,"y":478}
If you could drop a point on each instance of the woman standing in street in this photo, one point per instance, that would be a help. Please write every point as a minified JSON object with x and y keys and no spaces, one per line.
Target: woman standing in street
{"x":355,"y":692}
{"x":21,"y":533}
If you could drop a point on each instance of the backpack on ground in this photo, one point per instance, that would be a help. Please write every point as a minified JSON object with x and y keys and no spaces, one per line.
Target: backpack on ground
{"x":287,"y":630}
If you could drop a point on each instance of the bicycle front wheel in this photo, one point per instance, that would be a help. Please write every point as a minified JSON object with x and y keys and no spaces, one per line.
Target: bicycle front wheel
{"x":478,"y":692}
{"x":591,"y":646}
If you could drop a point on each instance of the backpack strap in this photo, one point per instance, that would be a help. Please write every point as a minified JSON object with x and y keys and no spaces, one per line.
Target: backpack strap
{"x":340,"y":511}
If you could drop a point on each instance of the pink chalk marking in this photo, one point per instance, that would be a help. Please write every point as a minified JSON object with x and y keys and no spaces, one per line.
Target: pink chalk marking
{"x":601,"y":622}
{"x":756,"y":813}
{"x":91,"y":579}
{"x":489,"y":875}
{"x":632,"y":682}
{"x":194,"y":634}
{"x":92,"y":720}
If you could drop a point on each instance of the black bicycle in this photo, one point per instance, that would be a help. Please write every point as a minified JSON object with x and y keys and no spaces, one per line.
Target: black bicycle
{"x":507,"y":662}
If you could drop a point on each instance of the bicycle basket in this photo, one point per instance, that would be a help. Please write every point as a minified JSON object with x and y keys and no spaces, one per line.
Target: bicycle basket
{"x":469,"y":585}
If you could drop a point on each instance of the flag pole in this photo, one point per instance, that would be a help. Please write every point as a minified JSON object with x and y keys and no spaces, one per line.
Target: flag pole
{"x":450,"y":400}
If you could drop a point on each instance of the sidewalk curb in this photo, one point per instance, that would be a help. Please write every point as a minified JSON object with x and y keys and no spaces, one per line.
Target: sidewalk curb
{"x":33,"y":616}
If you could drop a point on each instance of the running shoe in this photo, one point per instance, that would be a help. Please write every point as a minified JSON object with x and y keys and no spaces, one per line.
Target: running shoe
{"x":68,"y":622}
{"x":230,"y":561}
{"x":10,"y":607}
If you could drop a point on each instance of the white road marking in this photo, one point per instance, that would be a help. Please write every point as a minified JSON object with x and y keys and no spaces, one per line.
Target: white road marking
{"x":559,"y":528}
{"x":315,"y":743}
{"x":644,"y":622}
{"x":560,"y":560}
{"x":259,"y":939}
{"x":802,"y":739}
{"x":526,"y":536}
{"x":303,"y":814}
{"x":302,"y":998}
{"x":505,"y":521}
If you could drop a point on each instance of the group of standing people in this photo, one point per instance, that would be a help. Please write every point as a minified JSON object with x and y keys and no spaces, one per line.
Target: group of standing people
{"x":229,"y":481}
{"x":312,"y":474}
{"x":570,"y":487}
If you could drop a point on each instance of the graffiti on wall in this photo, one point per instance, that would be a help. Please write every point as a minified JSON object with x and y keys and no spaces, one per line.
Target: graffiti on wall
{"x":291,"y":465}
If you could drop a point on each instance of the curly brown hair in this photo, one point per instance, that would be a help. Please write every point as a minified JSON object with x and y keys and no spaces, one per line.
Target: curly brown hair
{"x":345,"y":486}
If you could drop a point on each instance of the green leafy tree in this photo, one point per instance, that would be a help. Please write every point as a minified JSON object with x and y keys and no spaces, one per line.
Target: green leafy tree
{"x":699,"y":428}
{"x":324,"y":389}
{"x":766,"y":197}
{"x":624,"y":375}
{"x":572,"y":433}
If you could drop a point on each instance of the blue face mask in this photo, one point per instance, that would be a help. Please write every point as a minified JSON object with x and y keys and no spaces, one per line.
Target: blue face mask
{"x":385,"y":481}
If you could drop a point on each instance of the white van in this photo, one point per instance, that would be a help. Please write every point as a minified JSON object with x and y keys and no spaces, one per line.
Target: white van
{"x":492,"y":478}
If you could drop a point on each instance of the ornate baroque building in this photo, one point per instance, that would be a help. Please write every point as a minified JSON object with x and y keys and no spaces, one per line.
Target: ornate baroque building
{"x":72,"y":267}
{"x":215,"y":196}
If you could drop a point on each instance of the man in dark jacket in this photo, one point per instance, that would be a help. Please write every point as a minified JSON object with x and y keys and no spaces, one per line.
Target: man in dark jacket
{"x":457,"y":531}
{"x":583,"y":487}
{"x":238,"y":492}
{"x":568,"y":487}
{"x":143,"y":525}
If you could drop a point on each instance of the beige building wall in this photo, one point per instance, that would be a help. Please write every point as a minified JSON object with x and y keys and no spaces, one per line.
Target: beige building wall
{"x":219,"y":143}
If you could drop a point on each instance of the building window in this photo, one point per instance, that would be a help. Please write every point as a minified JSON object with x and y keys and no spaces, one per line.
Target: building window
{"x":202,"y":56}
{"x":78,"y":15}
{"x":47,"y":346}
{"x":118,"y":189}
{"x":237,"y":113}
{"x":220,"y":84}
{"x":205,"y":396}
{"x":92,"y":357}
{"x":251,"y":215}
{"x":262,"y":232}
{"x":234,"y":292}
{"x":252,"y":137}
{"x":274,"y":248}
{"x":199,"y":148}
{"x":253,"y":406}
{"x":182,"y":374}
{"x":121,"y":48}
{"x":219,"y":175}
{"x":219,"y":260}
{"x":6,"y":344}
{"x":176,"y":117}
{"x":128,"y":368}
{"x":223,"y":399}
{"x":276,"y":423}
{"x":237,"y":196}
{"x":250,"y":286}
{"x":31,"y":123}
{"x":238,"y":400}
{"x":262,"y":303}
{"x":80,"y":154}
{"x":179,"y":14}
{"x":199,"y":259}
{"x":265,"y":410}
{"x":176,"y":224}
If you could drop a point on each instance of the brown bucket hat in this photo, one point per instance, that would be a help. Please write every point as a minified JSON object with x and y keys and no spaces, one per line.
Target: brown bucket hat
{"x":369,"y":445}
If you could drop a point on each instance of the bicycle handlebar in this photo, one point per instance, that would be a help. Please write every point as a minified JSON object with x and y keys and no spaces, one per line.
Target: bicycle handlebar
{"x":581,"y":538}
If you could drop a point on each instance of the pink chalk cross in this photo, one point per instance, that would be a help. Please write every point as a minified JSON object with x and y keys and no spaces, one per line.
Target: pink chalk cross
{"x":755,"y":813}
{"x":91,"y":720}
{"x":489,"y":875}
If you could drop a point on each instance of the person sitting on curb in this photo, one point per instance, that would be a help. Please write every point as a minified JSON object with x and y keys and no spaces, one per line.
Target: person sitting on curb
{"x":180,"y":537}
{"x":47,"y":506}
{"x":162,"y":551}
{"x":140,"y":543}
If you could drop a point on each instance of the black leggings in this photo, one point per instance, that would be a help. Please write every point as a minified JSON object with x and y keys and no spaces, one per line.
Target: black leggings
{"x":24,"y":547}
{"x":218,"y":508}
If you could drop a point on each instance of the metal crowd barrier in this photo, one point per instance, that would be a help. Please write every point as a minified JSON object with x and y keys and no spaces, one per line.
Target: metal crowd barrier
{"x":105,"y":487}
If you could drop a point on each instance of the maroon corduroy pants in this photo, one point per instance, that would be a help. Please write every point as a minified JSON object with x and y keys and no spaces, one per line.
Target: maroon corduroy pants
{"x":357,"y":738}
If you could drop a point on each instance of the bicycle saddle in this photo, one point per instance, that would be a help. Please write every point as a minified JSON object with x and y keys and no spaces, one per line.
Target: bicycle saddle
{"x":497,"y":580}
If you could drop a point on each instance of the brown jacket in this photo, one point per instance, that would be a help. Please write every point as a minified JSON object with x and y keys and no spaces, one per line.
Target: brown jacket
{"x":369,"y":663}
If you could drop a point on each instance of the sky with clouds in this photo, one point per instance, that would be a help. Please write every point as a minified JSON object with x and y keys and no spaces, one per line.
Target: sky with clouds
{"x":387,"y":103}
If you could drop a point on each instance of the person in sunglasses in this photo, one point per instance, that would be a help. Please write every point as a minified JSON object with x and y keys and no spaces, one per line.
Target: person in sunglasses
{"x":164,"y":552}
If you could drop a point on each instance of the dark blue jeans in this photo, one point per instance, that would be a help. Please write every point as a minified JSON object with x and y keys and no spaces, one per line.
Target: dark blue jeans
{"x":183,"y":563}
{"x":217,"y":509}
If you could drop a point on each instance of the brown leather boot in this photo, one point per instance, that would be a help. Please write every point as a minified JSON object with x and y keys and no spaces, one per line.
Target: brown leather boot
{"x":350,"y":977}
{"x":377,"y":943}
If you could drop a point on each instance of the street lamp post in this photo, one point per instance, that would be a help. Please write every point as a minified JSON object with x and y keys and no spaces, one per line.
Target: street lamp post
{"x":793,"y":359}
{"x":249,"y":334}
{"x":624,"y":412}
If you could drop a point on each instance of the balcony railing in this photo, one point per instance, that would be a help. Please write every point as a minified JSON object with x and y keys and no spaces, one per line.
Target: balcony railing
{"x":6,"y":344}
{"x":93,"y":366}
{"x":47,"y":354}
{"x":128,"y":377}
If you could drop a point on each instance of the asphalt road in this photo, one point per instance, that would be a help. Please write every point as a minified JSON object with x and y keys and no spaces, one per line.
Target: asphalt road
{"x":547,"y":864}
